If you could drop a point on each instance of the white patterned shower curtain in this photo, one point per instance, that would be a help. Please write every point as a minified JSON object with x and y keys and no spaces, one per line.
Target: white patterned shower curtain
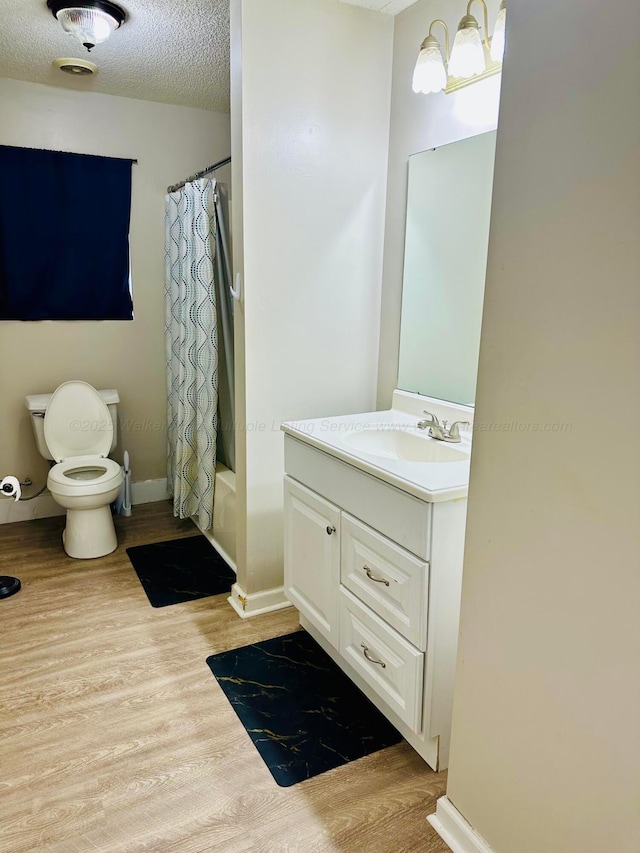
{"x":191,"y":338}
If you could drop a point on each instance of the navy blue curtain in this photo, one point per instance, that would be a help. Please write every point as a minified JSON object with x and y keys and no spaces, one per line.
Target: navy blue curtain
{"x":64,"y":236}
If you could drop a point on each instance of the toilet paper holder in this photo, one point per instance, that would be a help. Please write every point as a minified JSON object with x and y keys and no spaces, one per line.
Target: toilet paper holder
{"x":10,"y":488}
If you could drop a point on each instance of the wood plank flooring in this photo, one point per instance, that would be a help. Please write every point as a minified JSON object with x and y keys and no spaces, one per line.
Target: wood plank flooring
{"x":115,"y":737}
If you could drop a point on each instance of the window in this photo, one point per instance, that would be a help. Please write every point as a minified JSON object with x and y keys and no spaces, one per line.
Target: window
{"x":64,"y":236}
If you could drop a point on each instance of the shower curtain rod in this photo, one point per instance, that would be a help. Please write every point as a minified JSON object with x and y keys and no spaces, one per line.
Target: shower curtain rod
{"x":200,"y":174}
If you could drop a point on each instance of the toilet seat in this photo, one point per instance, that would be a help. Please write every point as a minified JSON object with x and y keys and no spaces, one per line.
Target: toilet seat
{"x":78,"y":430}
{"x":61,"y":479}
{"x":77,"y":422}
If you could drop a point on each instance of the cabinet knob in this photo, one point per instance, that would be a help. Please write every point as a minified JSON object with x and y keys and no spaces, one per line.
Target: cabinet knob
{"x":330,"y":529}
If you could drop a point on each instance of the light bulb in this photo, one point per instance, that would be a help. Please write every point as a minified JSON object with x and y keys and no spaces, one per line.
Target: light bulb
{"x":497,"y":42}
{"x":467,"y":56}
{"x":88,"y":26}
{"x":429,"y":74}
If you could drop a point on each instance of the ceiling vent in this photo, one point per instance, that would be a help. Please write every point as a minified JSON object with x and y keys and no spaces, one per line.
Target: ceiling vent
{"x":78,"y":67}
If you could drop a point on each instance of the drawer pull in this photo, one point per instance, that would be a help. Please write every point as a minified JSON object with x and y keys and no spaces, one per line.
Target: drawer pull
{"x":365,"y":652}
{"x":331,"y":529}
{"x":371,"y":577}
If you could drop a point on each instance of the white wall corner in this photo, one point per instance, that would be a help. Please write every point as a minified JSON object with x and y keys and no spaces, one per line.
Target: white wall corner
{"x":455,"y":831}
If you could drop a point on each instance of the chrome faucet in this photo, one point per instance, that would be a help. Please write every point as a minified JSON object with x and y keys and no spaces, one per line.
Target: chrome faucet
{"x":435,"y":428}
{"x":442,"y":431}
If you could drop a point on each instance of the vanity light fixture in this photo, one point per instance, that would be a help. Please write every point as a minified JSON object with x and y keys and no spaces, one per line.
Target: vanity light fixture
{"x":429,"y":74}
{"x":497,"y":40}
{"x":90,"y":22}
{"x":472,"y":57}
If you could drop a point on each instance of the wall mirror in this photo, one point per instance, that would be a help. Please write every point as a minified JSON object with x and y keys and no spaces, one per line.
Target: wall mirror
{"x":446,"y":243}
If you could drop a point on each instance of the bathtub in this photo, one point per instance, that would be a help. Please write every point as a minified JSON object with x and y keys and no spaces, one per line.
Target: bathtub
{"x":222,"y":534}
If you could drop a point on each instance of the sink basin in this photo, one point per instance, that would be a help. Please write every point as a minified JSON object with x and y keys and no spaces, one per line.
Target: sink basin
{"x":404,"y":445}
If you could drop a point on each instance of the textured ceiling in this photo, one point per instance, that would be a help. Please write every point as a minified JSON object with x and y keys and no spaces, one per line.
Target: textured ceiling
{"x":173,"y":51}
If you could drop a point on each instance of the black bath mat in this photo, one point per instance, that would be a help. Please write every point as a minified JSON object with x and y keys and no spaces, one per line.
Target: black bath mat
{"x":180,"y":570}
{"x":301,"y":711}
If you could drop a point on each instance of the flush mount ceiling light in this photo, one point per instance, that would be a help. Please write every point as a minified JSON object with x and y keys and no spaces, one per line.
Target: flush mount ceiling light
{"x":472,"y":58}
{"x":90,"y":22}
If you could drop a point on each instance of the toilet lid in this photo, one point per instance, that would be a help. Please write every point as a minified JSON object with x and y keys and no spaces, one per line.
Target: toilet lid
{"x":77,"y":422}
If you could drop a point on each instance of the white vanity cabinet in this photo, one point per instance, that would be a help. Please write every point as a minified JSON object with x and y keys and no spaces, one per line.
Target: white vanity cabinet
{"x":375,"y":573}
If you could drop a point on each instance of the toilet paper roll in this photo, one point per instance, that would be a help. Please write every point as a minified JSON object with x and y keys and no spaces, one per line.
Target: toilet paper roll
{"x":10,"y":488}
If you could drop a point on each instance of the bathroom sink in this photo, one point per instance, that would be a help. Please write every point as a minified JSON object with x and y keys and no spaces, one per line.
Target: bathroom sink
{"x":405,"y":445}
{"x":389,"y":446}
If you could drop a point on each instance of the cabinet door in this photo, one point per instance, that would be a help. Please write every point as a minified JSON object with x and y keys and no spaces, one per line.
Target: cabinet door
{"x":312,"y":557}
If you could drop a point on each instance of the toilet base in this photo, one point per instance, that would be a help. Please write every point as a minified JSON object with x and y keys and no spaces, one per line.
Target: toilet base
{"x":89,"y":533}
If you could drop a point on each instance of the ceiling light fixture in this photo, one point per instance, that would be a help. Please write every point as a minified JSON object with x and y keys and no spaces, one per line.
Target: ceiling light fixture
{"x":90,"y":22}
{"x":472,"y":58}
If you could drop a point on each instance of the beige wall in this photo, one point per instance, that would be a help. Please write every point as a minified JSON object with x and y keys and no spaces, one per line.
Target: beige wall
{"x":545,"y":750}
{"x":419,"y":122}
{"x":169,"y":142}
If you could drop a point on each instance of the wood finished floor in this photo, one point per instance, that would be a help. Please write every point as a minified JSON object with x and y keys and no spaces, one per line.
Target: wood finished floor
{"x":115,"y":737}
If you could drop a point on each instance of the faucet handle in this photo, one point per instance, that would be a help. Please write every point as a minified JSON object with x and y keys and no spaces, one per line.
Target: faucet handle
{"x":434,"y":419}
{"x":454,"y":429}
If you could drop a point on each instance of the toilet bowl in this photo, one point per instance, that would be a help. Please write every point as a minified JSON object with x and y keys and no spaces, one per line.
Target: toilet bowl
{"x":78,"y":430}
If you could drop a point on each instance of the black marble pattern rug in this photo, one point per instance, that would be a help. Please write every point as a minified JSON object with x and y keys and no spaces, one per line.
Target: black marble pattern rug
{"x":301,"y":711}
{"x":180,"y":570}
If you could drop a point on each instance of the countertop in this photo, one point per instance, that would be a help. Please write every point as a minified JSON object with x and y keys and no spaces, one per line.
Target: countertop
{"x":429,"y":481}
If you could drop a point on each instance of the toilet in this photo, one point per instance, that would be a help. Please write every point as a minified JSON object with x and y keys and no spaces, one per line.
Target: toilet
{"x":76,"y":427}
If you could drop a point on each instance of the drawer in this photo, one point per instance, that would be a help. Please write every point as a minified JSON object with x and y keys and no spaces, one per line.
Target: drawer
{"x":390,"y":665}
{"x":393,"y":582}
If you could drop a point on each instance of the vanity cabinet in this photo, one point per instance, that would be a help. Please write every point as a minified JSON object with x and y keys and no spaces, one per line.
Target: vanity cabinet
{"x":375,"y":573}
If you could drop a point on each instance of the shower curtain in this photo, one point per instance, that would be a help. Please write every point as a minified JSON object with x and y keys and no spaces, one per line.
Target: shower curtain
{"x":192,"y":316}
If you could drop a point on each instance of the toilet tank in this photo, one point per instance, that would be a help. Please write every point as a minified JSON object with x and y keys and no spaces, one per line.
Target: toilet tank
{"x":37,"y":406}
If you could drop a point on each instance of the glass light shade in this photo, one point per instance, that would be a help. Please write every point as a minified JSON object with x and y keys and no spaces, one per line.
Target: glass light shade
{"x":497,"y":42}
{"x":88,"y":26}
{"x":467,"y":56}
{"x":429,"y":74}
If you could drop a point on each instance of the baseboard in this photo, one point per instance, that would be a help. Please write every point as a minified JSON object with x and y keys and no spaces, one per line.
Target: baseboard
{"x":149,"y":491}
{"x":455,"y":831}
{"x":44,"y":506}
{"x":254,"y":604}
